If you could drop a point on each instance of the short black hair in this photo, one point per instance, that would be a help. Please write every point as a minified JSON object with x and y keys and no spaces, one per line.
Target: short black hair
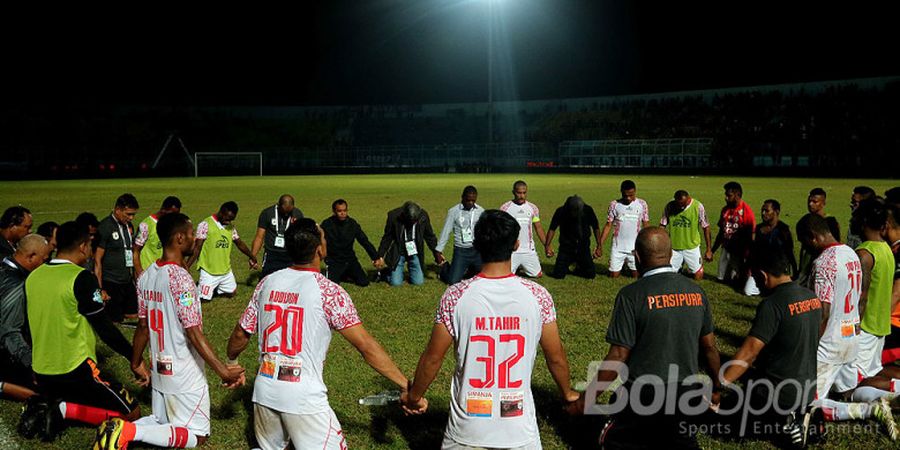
{"x":14,"y":215}
{"x":495,"y":235}
{"x":302,"y":239}
{"x":818,"y":191}
{"x":893,"y":213}
{"x":88,"y":219}
{"x":775,"y":204}
{"x":734,"y":186}
{"x":812,"y":225}
{"x":870,"y":214}
{"x":469,"y":190}
{"x":46,"y":229}
{"x":229,"y":206}
{"x":864,"y":191}
{"x":337,"y":202}
{"x":892,"y":195}
{"x":127,"y":201}
{"x":681,"y":193}
{"x":769,"y":258}
{"x":519,"y":183}
{"x":70,"y":235}
{"x":170,"y":225}
{"x":171,"y":202}
{"x":627,"y":185}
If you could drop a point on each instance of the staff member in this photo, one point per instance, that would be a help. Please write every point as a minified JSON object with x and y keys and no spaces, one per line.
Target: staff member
{"x":341,"y":231}
{"x":273,"y":223}
{"x":114,"y":260}
{"x":461,"y":220}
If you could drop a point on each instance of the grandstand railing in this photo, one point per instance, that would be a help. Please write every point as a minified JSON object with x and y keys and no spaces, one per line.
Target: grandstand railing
{"x":643,"y":153}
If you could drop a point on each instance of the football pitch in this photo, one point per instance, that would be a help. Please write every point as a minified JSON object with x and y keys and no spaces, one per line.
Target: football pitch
{"x":401,"y":318}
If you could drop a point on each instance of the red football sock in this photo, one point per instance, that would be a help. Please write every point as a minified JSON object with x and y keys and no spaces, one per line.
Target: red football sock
{"x":86,"y":414}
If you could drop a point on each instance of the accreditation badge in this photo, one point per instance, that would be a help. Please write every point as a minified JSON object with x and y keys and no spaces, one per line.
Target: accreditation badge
{"x":279,"y":241}
{"x":411,"y":249}
{"x":129,"y":258}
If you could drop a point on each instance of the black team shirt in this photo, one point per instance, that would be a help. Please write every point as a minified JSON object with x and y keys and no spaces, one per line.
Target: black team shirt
{"x":660,"y":318}
{"x":340,"y":236}
{"x":787,"y":321}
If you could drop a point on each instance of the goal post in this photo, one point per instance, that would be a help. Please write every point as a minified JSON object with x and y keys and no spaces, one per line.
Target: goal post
{"x":229,"y":163}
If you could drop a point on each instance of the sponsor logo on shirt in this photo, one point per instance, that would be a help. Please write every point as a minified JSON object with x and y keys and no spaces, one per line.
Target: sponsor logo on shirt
{"x":186,"y":298}
{"x":512,"y":404}
{"x":97,"y":297}
{"x":115,"y":235}
{"x":479,"y":404}
{"x":222,"y":242}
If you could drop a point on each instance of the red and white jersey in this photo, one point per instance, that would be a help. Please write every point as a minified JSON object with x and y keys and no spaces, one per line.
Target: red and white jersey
{"x":627,"y":221}
{"x":144,"y":231}
{"x":167,"y":298}
{"x":496,"y":324}
{"x":296,"y":310}
{"x":838,"y":282}
{"x":526,"y":214}
{"x":203,"y":229}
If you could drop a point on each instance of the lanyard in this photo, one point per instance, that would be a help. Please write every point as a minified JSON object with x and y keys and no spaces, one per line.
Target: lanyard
{"x":406,"y":233}
{"x":287,"y":223}
{"x":10,"y":263}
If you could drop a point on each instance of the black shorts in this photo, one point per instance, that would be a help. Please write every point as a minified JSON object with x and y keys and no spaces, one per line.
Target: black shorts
{"x":85,"y":387}
{"x":14,"y":373}
{"x":275,"y":261}
{"x":122,"y":300}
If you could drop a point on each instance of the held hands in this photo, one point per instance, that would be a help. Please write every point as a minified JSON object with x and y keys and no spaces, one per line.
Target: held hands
{"x":439,"y":258}
{"x":141,"y":375}
{"x":233,"y":377}
{"x":104,"y":295}
{"x":598,"y":252}
{"x":549,"y":251}
{"x":379,"y":263}
{"x":254,"y":264}
{"x":708,"y":256}
{"x":414,"y":408}
{"x":574,"y":405}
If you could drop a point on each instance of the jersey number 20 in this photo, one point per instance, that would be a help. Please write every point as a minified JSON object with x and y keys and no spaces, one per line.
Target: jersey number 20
{"x":290,"y":321}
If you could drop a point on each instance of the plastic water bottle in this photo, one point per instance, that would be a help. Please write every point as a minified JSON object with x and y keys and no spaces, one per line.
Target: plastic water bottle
{"x":380,"y":399}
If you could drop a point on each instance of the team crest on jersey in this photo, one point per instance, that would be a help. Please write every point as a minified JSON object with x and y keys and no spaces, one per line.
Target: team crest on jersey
{"x":186,"y":298}
{"x":274,"y":222}
{"x":115,"y":235}
{"x":97,"y":297}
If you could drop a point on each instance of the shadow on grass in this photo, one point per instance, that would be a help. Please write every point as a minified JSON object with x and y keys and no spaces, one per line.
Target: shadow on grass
{"x":578,"y":432}
{"x":425,"y":431}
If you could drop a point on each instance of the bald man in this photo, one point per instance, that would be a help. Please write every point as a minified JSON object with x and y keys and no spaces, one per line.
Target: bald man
{"x":660,"y":326}
{"x":15,"y":341}
{"x":273,"y":222}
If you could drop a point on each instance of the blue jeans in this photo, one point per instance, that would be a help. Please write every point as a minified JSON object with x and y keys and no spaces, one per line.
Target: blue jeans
{"x":463,"y":259}
{"x":416,"y":275}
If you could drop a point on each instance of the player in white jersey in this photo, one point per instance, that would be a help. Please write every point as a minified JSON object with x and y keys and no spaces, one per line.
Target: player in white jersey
{"x":295,"y":310}
{"x":626,"y":217}
{"x":168,"y":303}
{"x":837,"y":275}
{"x":529,"y":217}
{"x":495,"y":322}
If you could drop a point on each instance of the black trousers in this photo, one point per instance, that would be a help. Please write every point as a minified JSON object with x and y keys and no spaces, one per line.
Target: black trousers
{"x":122,"y":300}
{"x":344,"y":270}
{"x":275,"y":261}
{"x":581,"y":256}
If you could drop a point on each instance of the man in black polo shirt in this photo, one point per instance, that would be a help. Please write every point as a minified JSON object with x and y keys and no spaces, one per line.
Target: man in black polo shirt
{"x":782,"y":345}
{"x":273,"y":222}
{"x":576,"y":222}
{"x":14,"y":225}
{"x":114,"y":260}
{"x":661,"y":324}
{"x":340,"y":233}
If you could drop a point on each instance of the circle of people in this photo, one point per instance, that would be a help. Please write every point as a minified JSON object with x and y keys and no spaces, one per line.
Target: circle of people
{"x":830,"y":320}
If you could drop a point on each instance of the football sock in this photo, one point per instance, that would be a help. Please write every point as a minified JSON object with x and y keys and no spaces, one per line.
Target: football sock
{"x":86,"y":414}
{"x":835,"y":411}
{"x":869,"y":394}
{"x":165,"y":436}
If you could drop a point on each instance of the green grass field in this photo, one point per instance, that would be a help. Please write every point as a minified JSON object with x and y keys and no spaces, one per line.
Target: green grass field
{"x":401,"y":318}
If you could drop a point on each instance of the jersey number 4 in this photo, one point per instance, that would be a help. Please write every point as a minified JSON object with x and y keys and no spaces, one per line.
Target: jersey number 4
{"x":290,"y":321}
{"x":156,"y":324}
{"x":505,"y":366}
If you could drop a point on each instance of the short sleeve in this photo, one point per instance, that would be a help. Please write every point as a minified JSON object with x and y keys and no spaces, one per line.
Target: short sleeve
{"x":749,"y":217}
{"x":142,"y":235}
{"x":447,"y":307}
{"x":184,"y":294}
{"x":554,"y":221}
{"x":645,"y":217}
{"x":707,"y":317}
{"x":535,"y":214}
{"x":234,"y":234}
{"x":262,"y":222}
{"x":611,"y":212}
{"x":544,"y":299}
{"x":248,"y":318}
{"x":340,"y":312}
{"x":87,"y":293}
{"x":701,"y":211}
{"x":202,"y":230}
{"x":664,"y":219}
{"x":104,"y":233}
{"x":766,"y":323}
{"x":141,"y":301}
{"x":823,"y":279}
{"x":622,"y":327}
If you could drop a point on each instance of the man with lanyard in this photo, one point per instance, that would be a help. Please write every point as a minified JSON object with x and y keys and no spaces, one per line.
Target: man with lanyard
{"x":461,"y":220}
{"x":65,"y":316}
{"x":737,"y":225}
{"x":147,"y":248}
{"x":341,"y":231}
{"x":407,"y":231}
{"x":529,"y":217}
{"x":213,"y":248}
{"x":685,"y":217}
{"x":273,"y":223}
{"x":114,"y":260}
{"x":495,"y":323}
{"x":625,"y":217}
{"x":16,"y":380}
{"x":14,"y":225}
{"x":296,"y":310}
{"x":660,"y":322}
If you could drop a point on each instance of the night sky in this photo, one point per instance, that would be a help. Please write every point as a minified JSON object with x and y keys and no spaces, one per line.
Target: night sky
{"x":429,"y":51}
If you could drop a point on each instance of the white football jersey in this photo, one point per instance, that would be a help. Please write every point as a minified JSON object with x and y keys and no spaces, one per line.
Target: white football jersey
{"x":496,"y":324}
{"x":167,"y":298}
{"x":627,"y":221}
{"x":838,"y":282}
{"x":526,"y":214}
{"x":295,"y":311}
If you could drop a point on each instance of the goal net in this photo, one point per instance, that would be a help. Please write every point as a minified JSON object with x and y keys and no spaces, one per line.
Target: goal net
{"x":228,"y":163}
